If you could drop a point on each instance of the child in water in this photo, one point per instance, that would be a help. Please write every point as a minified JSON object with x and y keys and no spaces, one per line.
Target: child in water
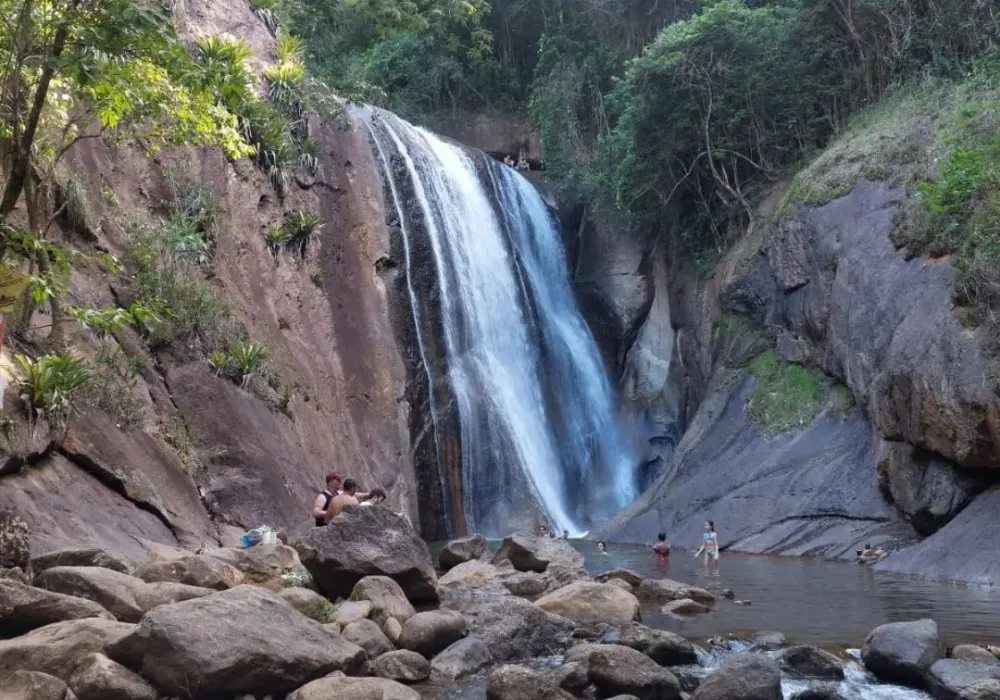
{"x":602,"y":548}
{"x":662,"y":548}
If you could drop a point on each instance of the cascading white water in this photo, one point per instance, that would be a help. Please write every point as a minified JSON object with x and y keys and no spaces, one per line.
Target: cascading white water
{"x":535,"y":406}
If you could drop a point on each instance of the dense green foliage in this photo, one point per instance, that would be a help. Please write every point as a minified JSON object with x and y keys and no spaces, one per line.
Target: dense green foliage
{"x":786,"y":395}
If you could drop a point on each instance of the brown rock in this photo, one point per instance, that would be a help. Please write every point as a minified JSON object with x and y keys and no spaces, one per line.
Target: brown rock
{"x":112,"y":589}
{"x":512,"y":628}
{"x":665,"y":648}
{"x":971,"y":652}
{"x":663,"y":590}
{"x":196,"y":570}
{"x":530,"y":553}
{"x":99,"y":678}
{"x":89,"y":556}
{"x":685,"y":606}
{"x":512,"y":682}
{"x":428,"y":633}
{"x":351,"y":611}
{"x":56,"y":649}
{"x":464,"y":657}
{"x":24,"y":608}
{"x":743,"y":676}
{"x":630,"y":577}
{"x":15,"y":545}
{"x":386,"y":597}
{"x":811,"y":662}
{"x":588,"y":602}
{"x":622,"y":670}
{"x":525,"y":584}
{"x":310,"y":604}
{"x":461,"y":550}
{"x":347,"y":688}
{"x":32,"y":685}
{"x":153,"y":595}
{"x":260,"y":564}
{"x":622,"y":584}
{"x":403,"y":666}
{"x":393,"y":629}
{"x":369,"y":636}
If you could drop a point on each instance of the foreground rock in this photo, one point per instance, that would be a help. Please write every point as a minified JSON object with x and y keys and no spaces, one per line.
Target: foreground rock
{"x":99,"y":678}
{"x":903,"y":652}
{"x":665,"y":648}
{"x":362,"y":542}
{"x":196,"y":570}
{"x":617,"y":670}
{"x":386,"y":597}
{"x":309,"y":603}
{"x":513,"y":628}
{"x":530,"y":553}
{"x":665,"y":590}
{"x":954,"y":679}
{"x":811,"y":662}
{"x":57,"y":649}
{"x":90,"y":556}
{"x":512,"y":682}
{"x":744,"y":676}
{"x":403,"y":666}
{"x":31,"y":685}
{"x":341,"y":687}
{"x":24,"y":608}
{"x":589,"y":602}
{"x":464,"y":657}
{"x":180,"y":649}
{"x":111,"y":589}
{"x":462,"y":550}
{"x":430,"y":632}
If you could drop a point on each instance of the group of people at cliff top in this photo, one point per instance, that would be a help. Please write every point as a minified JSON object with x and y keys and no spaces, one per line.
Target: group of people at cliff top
{"x":339,"y":493}
{"x":521,"y":165}
{"x":661,"y":548}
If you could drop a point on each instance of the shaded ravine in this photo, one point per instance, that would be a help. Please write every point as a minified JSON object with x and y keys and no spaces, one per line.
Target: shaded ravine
{"x":517,"y":392}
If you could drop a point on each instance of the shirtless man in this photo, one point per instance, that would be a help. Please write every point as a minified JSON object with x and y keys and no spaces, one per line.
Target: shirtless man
{"x":347,"y":497}
{"x":333,"y":481}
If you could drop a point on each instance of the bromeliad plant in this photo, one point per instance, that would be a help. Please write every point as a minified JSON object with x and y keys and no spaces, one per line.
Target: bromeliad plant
{"x":300,"y":228}
{"x":49,"y":384}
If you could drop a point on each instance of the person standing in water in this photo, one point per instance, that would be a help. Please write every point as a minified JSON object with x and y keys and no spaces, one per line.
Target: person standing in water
{"x":662,"y":548}
{"x":602,"y":548}
{"x":709,"y":545}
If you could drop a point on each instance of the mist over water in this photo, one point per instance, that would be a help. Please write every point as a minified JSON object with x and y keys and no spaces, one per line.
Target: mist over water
{"x":537,"y":412}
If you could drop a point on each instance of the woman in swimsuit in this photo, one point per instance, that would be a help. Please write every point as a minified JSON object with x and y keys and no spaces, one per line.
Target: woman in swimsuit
{"x":709,"y":545}
{"x":662,"y":548}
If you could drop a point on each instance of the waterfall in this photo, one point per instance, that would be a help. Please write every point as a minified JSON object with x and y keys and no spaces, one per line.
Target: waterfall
{"x":537,"y":419}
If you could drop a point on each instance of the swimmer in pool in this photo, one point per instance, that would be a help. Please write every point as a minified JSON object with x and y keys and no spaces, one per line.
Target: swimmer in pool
{"x":662,"y":548}
{"x":602,"y":548}
{"x":709,"y":545}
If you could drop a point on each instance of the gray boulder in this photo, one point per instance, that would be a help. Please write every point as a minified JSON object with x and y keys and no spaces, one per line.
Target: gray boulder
{"x":89,"y":556}
{"x":340,"y":687}
{"x":954,"y":679}
{"x":350,"y":611}
{"x":530,"y":553}
{"x":971,"y":652}
{"x":559,"y":575}
{"x":152,"y":595}
{"x":744,"y":676}
{"x":810,"y":662}
{"x":369,"y":636}
{"x":903,"y":652}
{"x":99,"y":678}
{"x":685,"y":606}
{"x":571,"y":676}
{"x":32,"y":685}
{"x":362,"y":542}
{"x":309,"y":603}
{"x":177,"y":647}
{"x":665,"y":648}
{"x":24,"y":608}
{"x":111,"y":589}
{"x":769,"y":641}
{"x":512,"y":682}
{"x":464,"y":657}
{"x":58,"y":648}
{"x":462,"y":550}
{"x":589,"y":602}
{"x":627,"y":575}
{"x":525,"y":584}
{"x":403,"y":666}
{"x":664,"y":590}
{"x":512,"y":628}
{"x":430,"y":632}
{"x":261,"y":564}
{"x":393,"y":629}
{"x":386,"y":597}
{"x":619,"y":670}
{"x":196,"y":570}
{"x":823,"y":691}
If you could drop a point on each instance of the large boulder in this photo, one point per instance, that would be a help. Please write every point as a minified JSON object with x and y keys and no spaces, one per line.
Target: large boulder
{"x":152,"y":595}
{"x":58,"y":648}
{"x":472,"y":585}
{"x":309,"y":603}
{"x":196,"y":570}
{"x":244,"y":640}
{"x":530,"y":553}
{"x":88,"y":556}
{"x":369,"y":636}
{"x":386,"y":597}
{"x":32,"y":685}
{"x":403,"y":666}
{"x":664,"y":590}
{"x":589,"y":602}
{"x":362,"y":542}
{"x":346,"y":688}
{"x":512,"y":628}
{"x":810,"y":662}
{"x":903,"y":652}
{"x":99,"y":678}
{"x":261,"y":564}
{"x":510,"y":682}
{"x":619,"y":670}
{"x":665,"y":648}
{"x":464,"y":657}
{"x":461,"y":550}
{"x":744,"y":676}
{"x":954,"y":679}
{"x":24,"y":608}
{"x":15,"y":541}
{"x":430,"y":632}
{"x":112,"y":589}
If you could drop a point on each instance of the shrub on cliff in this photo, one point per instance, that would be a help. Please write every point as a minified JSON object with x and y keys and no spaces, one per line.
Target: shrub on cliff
{"x":786,"y":395}
{"x":15,"y":544}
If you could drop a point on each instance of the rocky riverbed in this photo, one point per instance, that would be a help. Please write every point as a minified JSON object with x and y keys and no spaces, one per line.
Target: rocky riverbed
{"x":359,"y":611}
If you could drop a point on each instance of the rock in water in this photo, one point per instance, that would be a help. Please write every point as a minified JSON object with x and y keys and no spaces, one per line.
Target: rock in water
{"x":15,"y":541}
{"x":665,"y":648}
{"x":589,"y":602}
{"x":32,"y":685}
{"x":630,"y":577}
{"x":953,"y":679}
{"x":99,"y":678}
{"x":744,"y":676}
{"x":530,"y":553}
{"x":244,"y":640}
{"x":512,"y":628}
{"x":663,"y":590}
{"x":386,"y":598}
{"x":89,"y":556}
{"x":512,"y":682}
{"x":462,"y":658}
{"x":769,"y":641}
{"x":903,"y":652}
{"x":113,"y":590}
{"x":58,"y":648}
{"x":826,"y":691}
{"x":430,"y":632}
{"x":24,"y":608}
{"x":338,"y":687}
{"x":462,"y":550}
{"x":971,"y":652}
{"x":685,"y":606}
{"x":621,"y":670}
{"x":403,"y":666}
{"x":362,"y":542}
{"x":197,"y":570}
{"x":811,"y":662}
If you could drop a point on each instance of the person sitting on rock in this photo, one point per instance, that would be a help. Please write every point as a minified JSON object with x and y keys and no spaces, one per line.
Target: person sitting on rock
{"x":565,"y":534}
{"x":662,"y":548}
{"x":523,"y":165}
{"x":322,"y":504}
{"x":375,"y":497}
{"x":507,"y":160}
{"x":347,"y":497}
